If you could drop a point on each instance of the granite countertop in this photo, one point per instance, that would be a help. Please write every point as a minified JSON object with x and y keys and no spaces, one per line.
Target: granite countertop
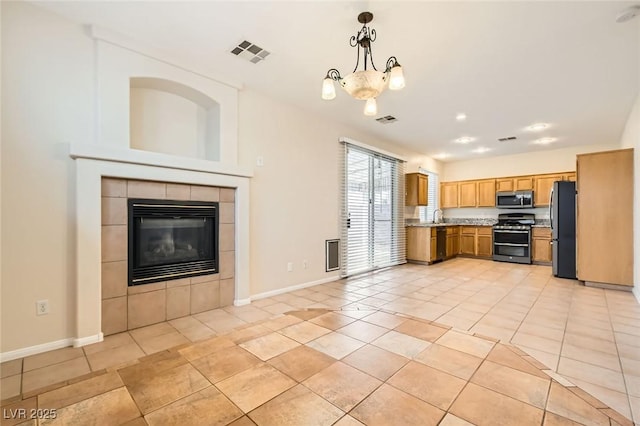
{"x":540,"y":223}
{"x":456,"y":222}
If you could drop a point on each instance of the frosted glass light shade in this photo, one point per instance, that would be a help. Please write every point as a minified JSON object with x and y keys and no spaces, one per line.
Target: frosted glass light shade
{"x":396,"y":78}
{"x":371,"y":107}
{"x":328,"y":89}
{"x":364,"y":85}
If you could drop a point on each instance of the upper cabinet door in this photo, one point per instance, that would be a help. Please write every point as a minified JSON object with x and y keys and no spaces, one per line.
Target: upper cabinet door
{"x":423,"y":190}
{"x":448,"y":195}
{"x":523,"y":183}
{"x":467,"y":194}
{"x":416,"y":189}
{"x":486,"y":193}
{"x":543,"y":185}
{"x":505,"y":184}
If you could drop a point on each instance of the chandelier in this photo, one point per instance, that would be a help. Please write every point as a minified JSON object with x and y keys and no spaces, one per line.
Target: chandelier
{"x":366,"y":84}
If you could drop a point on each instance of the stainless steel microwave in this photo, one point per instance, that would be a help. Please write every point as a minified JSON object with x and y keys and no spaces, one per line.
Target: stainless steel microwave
{"x":514,"y":199}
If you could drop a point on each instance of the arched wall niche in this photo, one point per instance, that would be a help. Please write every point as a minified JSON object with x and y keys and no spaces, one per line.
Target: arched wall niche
{"x":172,"y":118}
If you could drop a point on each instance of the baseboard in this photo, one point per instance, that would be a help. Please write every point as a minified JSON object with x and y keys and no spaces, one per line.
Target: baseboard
{"x":606,"y":286}
{"x":276,"y":292}
{"x":242,"y":302}
{"x":83,"y":341}
{"x":34,"y":350}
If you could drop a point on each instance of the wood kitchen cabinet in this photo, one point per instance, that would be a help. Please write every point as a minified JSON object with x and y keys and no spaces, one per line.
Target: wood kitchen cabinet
{"x":468,"y":240}
{"x":518,"y":183}
{"x":604,"y":232}
{"x":484,"y":241}
{"x":481,"y":193}
{"x":486,"y":193}
{"x":448,"y":195}
{"x":453,"y":241}
{"x":541,"y":245}
{"x":416,"y":189}
{"x":421,"y":243}
{"x":476,"y":241}
{"x":523,"y":183}
{"x":505,"y":184}
{"x":542,"y":188}
{"x":467,"y":193}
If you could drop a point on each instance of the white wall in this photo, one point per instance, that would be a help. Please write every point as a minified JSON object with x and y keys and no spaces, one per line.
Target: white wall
{"x":119,"y":68}
{"x":551,"y":161}
{"x":1,"y":138}
{"x":631,"y":139}
{"x":294,"y":196}
{"x":47,"y":102}
{"x":167,"y":123}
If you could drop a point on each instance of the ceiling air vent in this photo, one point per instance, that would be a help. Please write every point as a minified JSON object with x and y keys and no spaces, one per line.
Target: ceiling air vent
{"x":386,"y":119}
{"x":508,"y":138}
{"x":250,"y":52}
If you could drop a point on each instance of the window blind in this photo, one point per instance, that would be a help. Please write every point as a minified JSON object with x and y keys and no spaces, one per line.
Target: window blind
{"x":372,"y":210}
{"x":433,"y":196}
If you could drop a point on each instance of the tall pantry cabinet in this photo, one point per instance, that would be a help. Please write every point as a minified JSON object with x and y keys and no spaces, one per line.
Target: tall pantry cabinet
{"x":605,"y":217}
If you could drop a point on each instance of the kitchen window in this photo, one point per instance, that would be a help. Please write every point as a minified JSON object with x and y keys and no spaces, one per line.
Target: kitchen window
{"x":433,"y":199}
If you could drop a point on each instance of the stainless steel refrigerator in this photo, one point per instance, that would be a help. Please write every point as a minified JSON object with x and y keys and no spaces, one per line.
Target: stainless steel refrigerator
{"x":562,"y":214}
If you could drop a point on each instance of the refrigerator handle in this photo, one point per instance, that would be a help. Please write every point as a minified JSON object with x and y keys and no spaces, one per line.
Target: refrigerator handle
{"x":551,"y":207}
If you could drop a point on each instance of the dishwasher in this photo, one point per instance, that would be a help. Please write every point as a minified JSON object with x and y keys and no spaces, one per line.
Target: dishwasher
{"x":441,"y":242}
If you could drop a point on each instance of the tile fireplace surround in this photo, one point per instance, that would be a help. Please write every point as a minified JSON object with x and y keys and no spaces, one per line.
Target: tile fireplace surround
{"x":150,"y":175}
{"x":126,"y":308}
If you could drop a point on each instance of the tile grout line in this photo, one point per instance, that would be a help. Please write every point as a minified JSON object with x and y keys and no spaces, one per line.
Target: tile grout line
{"x":615,"y":340}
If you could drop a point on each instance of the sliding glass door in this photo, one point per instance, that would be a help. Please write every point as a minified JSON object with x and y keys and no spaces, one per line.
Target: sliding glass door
{"x":372,"y":211}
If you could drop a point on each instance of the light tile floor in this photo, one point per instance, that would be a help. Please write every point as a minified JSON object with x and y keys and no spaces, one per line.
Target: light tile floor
{"x":585,"y":337}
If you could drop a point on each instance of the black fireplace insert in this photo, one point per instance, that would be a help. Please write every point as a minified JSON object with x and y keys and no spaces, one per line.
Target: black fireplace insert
{"x":171,"y":239}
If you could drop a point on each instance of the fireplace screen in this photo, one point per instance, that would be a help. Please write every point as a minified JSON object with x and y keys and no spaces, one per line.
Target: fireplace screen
{"x":171,"y":239}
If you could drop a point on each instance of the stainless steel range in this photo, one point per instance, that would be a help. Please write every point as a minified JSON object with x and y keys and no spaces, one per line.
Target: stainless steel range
{"x":512,"y":237}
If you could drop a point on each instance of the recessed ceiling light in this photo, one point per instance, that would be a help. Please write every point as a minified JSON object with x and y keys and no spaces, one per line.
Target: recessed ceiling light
{"x":461,"y":116}
{"x":481,"y":150}
{"x":544,"y":141}
{"x":442,"y":156}
{"x":537,"y":127}
{"x":464,"y":139}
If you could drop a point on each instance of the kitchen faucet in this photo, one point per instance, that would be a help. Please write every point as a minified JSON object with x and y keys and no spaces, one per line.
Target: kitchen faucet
{"x":435,"y":213}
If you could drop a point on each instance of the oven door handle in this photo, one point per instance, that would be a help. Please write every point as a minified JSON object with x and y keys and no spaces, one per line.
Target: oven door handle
{"x":506,"y":231}
{"x":511,"y":244}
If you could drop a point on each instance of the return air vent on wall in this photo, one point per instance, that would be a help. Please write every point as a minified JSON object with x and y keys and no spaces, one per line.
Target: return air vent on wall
{"x":250,"y":52}
{"x":508,"y":138}
{"x":386,"y":119}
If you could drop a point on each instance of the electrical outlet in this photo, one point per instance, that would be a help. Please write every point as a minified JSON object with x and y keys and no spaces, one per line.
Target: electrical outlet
{"x":260,"y":161}
{"x":305,"y":264}
{"x":289,"y":266}
{"x":42,"y":307}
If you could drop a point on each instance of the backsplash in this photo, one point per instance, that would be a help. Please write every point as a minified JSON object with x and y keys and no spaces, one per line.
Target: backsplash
{"x":476,"y":221}
{"x":492,"y":212}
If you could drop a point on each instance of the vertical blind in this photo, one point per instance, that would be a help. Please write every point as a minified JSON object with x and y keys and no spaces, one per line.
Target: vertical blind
{"x":372,"y":210}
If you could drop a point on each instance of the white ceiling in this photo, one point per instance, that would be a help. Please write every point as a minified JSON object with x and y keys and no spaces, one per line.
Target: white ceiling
{"x":505,"y":64}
